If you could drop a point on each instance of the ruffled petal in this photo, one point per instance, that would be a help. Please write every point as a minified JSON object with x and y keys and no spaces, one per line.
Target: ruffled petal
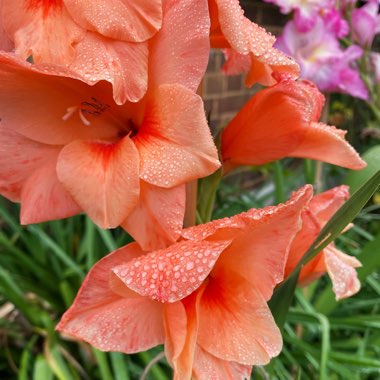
{"x":341,"y":269}
{"x":264,"y":68}
{"x":171,"y":274}
{"x":207,"y":366}
{"x":179,"y":52}
{"x":243,"y":35}
{"x":5,"y":42}
{"x":109,"y":321}
{"x":235,"y":323}
{"x":156,"y":221}
{"x":125,"y":20}
{"x":102,"y":178}
{"x":123,"y":64}
{"x":45,"y":31}
{"x":255,"y":257}
{"x":324,"y":205}
{"x":174,"y":141}
{"x":325,"y":143}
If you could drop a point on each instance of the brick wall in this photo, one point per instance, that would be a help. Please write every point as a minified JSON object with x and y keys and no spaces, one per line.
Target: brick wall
{"x":223,"y":95}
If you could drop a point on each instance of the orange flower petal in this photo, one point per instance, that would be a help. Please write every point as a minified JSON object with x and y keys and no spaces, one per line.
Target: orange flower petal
{"x":28,"y":175}
{"x":137,"y":323}
{"x":207,"y":366}
{"x":123,"y":64}
{"x":235,"y":323}
{"x":126,"y":20}
{"x":280,"y":122}
{"x":341,"y":269}
{"x":174,"y":141}
{"x":102,"y":178}
{"x":243,"y":35}
{"x":170,"y":274}
{"x":44,"y":198}
{"x":325,"y":143}
{"x":48,"y":34}
{"x":254,"y":257}
{"x":179,"y":52}
{"x":5,"y":43}
{"x":181,"y":327}
{"x":324,"y":205}
{"x":264,"y":67}
{"x":156,"y":221}
{"x":45,"y":100}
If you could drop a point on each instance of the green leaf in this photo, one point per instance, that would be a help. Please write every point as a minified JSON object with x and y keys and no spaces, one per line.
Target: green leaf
{"x":355,"y":178}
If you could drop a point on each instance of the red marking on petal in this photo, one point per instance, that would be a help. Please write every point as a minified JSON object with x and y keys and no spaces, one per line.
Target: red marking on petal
{"x":171,"y":274}
{"x":46,"y":5}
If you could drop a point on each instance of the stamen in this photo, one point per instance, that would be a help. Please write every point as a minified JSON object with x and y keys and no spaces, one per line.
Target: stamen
{"x":70,"y":112}
{"x":84,"y":120}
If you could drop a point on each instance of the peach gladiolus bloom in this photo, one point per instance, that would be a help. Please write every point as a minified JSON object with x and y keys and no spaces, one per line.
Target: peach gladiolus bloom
{"x":66,"y":146}
{"x":205,"y":296}
{"x":248,"y":47}
{"x":103,"y":39}
{"x":99,"y":40}
{"x":282,"y":121}
{"x":340,"y":267}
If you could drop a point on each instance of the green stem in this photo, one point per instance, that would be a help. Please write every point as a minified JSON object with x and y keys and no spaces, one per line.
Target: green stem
{"x":279,"y":182}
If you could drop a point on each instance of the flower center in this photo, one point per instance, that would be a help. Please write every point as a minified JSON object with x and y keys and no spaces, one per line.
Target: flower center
{"x":91,"y":108}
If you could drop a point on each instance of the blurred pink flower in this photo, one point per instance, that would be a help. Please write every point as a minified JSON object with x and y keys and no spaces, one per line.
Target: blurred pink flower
{"x":365,"y":23}
{"x":304,"y":11}
{"x":322,"y":60}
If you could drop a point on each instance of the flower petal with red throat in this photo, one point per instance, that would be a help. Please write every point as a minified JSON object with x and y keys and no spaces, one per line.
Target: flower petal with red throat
{"x":207,"y":366}
{"x":156,"y":221}
{"x":174,"y":141}
{"x":46,"y":98}
{"x":125,"y":20}
{"x":235,"y":322}
{"x":255,"y":257}
{"x":102,"y":178}
{"x":326,"y":143}
{"x":48,"y":34}
{"x":112,"y":321}
{"x":123,"y":64}
{"x":170,"y":274}
{"x":341,"y":269}
{"x":243,"y":35}
{"x":179,"y":52}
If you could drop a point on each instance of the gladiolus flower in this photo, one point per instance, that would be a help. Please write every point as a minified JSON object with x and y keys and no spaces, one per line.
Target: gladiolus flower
{"x":365,"y":22}
{"x":99,"y":40}
{"x":340,"y":267}
{"x":205,"y":296}
{"x":109,"y":40}
{"x":321,"y":58}
{"x":66,"y":146}
{"x":248,"y":47}
{"x":282,"y":121}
